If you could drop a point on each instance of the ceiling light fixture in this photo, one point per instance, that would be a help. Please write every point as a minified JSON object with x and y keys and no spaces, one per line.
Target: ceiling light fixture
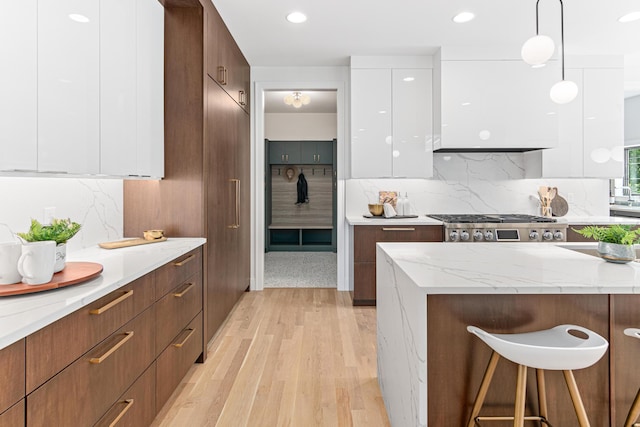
{"x":538,"y":49}
{"x":296,"y":17}
{"x":78,"y":18}
{"x":297,"y":99}
{"x":463,"y":17}
{"x":630,"y":17}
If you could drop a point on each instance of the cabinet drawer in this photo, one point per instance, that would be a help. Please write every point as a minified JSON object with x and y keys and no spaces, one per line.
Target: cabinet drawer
{"x":84,"y":391}
{"x":11,"y":375}
{"x":137,"y":406}
{"x":366,"y":237}
{"x":14,"y":416}
{"x":54,"y":347}
{"x":176,"y":309}
{"x":177,"y":271}
{"x":176,"y":359}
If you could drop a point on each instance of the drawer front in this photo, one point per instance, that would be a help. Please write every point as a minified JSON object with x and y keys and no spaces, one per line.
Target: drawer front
{"x":84,"y":391}
{"x":176,"y":309}
{"x":11,"y":375}
{"x":176,"y":359}
{"x":137,"y":406}
{"x":54,"y":347}
{"x":14,"y":416}
{"x":177,"y":271}
{"x":366,"y":237}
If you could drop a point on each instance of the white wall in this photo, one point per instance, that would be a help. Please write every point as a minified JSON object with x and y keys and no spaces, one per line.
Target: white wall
{"x":300,"y":126}
{"x":93,"y":203}
{"x":632,"y":120}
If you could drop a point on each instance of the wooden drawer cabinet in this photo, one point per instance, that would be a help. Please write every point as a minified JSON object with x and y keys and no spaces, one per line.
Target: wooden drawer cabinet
{"x":54,"y":347}
{"x":176,"y":309}
{"x":177,"y":358}
{"x":14,"y":416}
{"x":365,"y":238}
{"x":82,"y":393}
{"x":137,"y":406}
{"x":11,"y":372}
{"x":177,"y":271}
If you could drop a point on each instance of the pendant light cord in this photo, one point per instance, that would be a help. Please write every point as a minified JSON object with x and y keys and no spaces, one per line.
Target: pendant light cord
{"x":561,"y":31}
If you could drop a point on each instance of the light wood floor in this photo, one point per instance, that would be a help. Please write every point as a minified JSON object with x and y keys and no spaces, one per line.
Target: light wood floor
{"x":285,"y":357}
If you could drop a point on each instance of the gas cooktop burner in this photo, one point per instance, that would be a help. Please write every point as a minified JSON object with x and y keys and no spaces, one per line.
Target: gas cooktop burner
{"x":490,"y":218}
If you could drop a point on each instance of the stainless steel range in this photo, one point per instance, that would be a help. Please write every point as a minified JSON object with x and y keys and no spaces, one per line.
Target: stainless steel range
{"x":501,"y":228}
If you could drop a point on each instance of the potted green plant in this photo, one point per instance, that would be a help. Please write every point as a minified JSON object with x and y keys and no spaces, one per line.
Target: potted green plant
{"x":60,"y":231}
{"x":615,"y":242}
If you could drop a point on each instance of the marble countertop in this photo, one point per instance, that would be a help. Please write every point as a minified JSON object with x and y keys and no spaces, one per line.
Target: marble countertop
{"x":24,"y":314}
{"x":509,"y":268}
{"x":425,"y":220}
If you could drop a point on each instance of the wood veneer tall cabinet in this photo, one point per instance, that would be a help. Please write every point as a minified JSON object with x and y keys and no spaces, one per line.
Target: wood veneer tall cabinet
{"x":206,"y":189}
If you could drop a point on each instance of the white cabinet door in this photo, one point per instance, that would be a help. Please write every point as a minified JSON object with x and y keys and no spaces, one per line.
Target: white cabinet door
{"x":371,"y":120}
{"x":68,"y":86}
{"x":412,"y":123}
{"x":603,"y":122}
{"x":18,"y":85}
{"x":497,"y":105}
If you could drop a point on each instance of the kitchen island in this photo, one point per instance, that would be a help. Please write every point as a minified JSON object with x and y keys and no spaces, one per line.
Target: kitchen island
{"x":430,"y":367}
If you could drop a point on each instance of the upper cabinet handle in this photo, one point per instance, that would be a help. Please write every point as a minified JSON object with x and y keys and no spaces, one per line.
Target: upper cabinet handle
{"x":113,"y":303}
{"x":222,"y":75}
{"x":184,"y":261}
{"x":243,"y":98}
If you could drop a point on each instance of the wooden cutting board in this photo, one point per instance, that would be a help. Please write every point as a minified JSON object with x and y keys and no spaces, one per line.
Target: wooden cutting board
{"x":129,"y":242}
{"x":559,"y":206}
{"x":73,"y":274}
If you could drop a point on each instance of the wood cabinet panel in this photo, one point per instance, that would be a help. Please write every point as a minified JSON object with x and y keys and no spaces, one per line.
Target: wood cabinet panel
{"x":177,"y":358}
{"x":364,"y":293}
{"x":54,"y":347}
{"x":177,"y":271}
{"x":12,"y":361}
{"x":82,"y":393}
{"x":137,"y":406}
{"x":14,"y":416}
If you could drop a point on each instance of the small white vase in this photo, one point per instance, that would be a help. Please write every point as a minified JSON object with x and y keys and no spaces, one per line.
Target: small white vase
{"x":61,"y":257}
{"x":614,"y":252}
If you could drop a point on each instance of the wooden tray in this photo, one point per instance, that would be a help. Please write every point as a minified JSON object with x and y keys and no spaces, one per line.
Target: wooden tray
{"x":129,"y":242}
{"x":73,"y":273}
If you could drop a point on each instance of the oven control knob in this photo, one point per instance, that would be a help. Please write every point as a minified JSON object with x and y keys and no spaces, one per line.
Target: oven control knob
{"x":454,"y":236}
{"x":464,"y":235}
{"x":533,"y":235}
{"x":477,"y":235}
{"x":558,"y":235}
{"x":488,"y":235}
{"x":547,"y":235}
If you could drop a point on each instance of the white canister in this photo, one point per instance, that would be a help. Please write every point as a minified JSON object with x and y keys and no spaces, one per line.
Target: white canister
{"x":9,"y":255}
{"x":37,"y":261}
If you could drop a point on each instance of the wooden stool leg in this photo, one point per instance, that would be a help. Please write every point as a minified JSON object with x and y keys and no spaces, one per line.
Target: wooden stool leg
{"x":633,"y":412}
{"x":542,"y":393}
{"x":575,"y":398}
{"x":521,"y":394}
{"x":484,"y":387}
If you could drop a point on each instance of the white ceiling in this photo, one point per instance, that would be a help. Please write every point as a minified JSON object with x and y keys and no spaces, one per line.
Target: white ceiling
{"x":321,"y":102}
{"x":338,"y":29}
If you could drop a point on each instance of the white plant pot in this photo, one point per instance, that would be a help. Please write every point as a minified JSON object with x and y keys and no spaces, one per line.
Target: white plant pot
{"x":61,"y":257}
{"x":614,"y":252}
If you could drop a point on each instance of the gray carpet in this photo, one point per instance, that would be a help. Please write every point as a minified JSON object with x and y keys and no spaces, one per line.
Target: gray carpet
{"x":300,"y":270}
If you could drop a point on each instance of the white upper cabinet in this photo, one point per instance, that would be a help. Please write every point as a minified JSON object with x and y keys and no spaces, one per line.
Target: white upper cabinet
{"x":497,"y":106}
{"x":68,"y":86}
{"x":18,"y":85}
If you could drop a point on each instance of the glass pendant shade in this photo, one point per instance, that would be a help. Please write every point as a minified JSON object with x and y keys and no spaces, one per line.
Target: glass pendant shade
{"x":563,"y":92}
{"x":537,"y":50}
{"x":297,"y":99}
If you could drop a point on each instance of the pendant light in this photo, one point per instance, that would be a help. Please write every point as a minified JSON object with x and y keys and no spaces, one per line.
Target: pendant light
{"x":539,"y":49}
{"x":297,"y":99}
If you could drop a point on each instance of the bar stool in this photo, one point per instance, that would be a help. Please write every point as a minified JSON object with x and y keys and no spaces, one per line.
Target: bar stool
{"x":562,"y":348}
{"x":634,"y":411}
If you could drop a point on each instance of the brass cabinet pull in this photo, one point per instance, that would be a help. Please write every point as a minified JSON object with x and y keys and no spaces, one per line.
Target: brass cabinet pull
{"x":222,"y":75}
{"x":282,"y":157}
{"x":184,"y":291}
{"x":112,"y":304}
{"x":286,"y":157}
{"x":399,"y":229}
{"x":98,"y":360}
{"x":236,"y":217}
{"x":184,"y":261}
{"x":128,"y":404}
{"x":243,"y":98}
{"x":318,"y":158}
{"x":184,"y":341}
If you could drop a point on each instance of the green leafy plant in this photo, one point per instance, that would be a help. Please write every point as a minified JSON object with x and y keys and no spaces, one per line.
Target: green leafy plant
{"x":617,"y":233}
{"x":60,"y":230}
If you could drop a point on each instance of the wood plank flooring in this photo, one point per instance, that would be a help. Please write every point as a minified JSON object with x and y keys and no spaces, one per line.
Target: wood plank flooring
{"x":285,"y":357}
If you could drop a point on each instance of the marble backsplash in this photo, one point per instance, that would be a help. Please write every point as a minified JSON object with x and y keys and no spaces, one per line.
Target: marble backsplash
{"x":480,"y":183}
{"x":97,"y":204}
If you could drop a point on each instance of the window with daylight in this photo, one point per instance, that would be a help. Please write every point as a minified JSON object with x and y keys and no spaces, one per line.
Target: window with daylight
{"x":632,"y":168}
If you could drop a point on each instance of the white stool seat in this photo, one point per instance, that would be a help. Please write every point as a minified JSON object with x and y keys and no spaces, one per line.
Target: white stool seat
{"x":632,"y":332}
{"x":552,"y":349}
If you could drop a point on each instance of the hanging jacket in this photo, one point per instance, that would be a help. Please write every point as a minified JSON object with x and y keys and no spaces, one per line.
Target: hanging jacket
{"x":303,"y":197}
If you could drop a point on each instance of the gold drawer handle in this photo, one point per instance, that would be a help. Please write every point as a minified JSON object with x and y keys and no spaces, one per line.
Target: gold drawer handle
{"x":398,"y":229}
{"x":112,"y":304}
{"x":98,"y":360}
{"x":129,"y":404}
{"x":184,"y":291}
{"x":184,"y":261}
{"x":184,"y":341}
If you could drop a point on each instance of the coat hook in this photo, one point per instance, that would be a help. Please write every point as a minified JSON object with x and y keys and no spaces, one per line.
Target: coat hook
{"x":278,"y":171}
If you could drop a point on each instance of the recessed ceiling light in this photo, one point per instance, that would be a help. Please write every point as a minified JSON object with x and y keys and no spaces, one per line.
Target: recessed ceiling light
{"x":408,"y":79}
{"x":296,"y":17}
{"x":382,"y":112}
{"x":630,"y":17}
{"x":463,"y":17}
{"x":539,"y":65}
{"x":466,"y":103}
{"x":78,"y":18}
